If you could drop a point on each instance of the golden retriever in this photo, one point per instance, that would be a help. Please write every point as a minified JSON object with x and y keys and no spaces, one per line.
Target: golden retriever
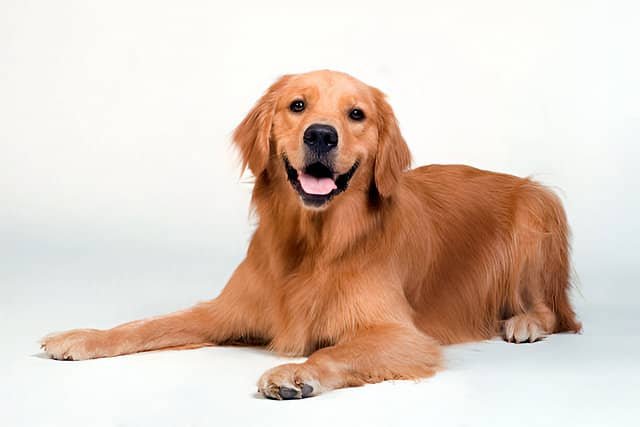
{"x":362,"y":265}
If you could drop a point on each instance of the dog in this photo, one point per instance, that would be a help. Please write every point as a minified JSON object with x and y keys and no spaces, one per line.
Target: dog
{"x":362,"y":265}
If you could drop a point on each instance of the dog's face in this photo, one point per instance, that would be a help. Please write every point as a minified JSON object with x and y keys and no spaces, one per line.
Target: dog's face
{"x":324,"y":131}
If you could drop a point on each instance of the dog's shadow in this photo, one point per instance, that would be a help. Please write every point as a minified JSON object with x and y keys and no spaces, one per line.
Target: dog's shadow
{"x":42,"y":355}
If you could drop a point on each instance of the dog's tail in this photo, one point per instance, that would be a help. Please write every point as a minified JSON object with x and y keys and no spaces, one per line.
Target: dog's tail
{"x":556,"y":271}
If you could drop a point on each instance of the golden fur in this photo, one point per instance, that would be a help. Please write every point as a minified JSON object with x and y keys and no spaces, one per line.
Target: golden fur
{"x":371,"y":283}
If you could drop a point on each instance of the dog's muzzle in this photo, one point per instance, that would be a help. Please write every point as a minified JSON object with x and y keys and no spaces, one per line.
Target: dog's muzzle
{"x":320,"y":139}
{"x":318,"y":183}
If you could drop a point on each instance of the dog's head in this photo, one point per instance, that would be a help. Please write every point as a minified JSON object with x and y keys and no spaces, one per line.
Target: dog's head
{"x":326,"y":133}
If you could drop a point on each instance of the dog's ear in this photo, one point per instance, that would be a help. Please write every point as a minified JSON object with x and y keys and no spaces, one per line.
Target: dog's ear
{"x":252,"y":135}
{"x":392,"y":156}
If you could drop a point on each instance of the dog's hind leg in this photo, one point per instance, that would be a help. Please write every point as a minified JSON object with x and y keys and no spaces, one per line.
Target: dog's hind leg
{"x":540,"y":298}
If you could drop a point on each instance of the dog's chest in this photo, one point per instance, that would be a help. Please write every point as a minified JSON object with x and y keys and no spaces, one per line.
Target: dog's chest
{"x":315,"y":311}
{"x":320,"y":308}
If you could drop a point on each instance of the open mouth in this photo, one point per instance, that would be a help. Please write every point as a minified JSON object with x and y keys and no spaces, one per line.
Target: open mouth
{"x":317,"y":183}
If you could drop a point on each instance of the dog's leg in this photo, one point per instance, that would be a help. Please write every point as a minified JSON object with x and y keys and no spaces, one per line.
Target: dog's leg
{"x":539,"y":299}
{"x":372,"y":355}
{"x":230,"y":316}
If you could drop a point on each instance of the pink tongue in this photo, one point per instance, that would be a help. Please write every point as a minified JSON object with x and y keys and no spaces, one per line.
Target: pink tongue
{"x":313,"y":185}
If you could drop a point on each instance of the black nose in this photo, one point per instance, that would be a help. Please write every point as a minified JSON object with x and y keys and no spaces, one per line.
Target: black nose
{"x":321,"y":138}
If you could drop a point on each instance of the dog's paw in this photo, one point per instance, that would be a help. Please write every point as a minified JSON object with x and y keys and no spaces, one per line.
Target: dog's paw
{"x":523,"y":328}
{"x":290,"y":381}
{"x":78,"y":344}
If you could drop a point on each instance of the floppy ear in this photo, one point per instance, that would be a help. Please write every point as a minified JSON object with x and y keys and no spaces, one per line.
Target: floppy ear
{"x":392,"y":156}
{"x":251,"y":137}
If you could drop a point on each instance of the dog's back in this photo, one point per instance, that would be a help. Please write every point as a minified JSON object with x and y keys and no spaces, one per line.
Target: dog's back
{"x":494,"y":247}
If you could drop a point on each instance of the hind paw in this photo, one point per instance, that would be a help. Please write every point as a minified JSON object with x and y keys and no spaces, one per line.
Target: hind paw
{"x":523,"y":328}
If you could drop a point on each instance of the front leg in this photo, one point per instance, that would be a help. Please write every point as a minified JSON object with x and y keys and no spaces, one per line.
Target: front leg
{"x":231,"y":316}
{"x":371,"y":355}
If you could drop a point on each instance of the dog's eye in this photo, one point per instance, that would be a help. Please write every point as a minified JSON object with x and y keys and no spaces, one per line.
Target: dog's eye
{"x":356,"y":114}
{"x":297,"y":106}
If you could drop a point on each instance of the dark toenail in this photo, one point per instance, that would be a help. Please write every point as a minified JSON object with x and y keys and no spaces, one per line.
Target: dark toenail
{"x":288,"y":393}
{"x":306,"y":390}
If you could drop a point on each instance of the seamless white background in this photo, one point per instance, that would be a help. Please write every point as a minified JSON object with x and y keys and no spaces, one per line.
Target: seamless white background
{"x":120,"y":195}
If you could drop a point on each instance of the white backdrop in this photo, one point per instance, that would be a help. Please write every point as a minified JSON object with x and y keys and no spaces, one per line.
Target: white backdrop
{"x":120,"y":196}
{"x":116,"y":116}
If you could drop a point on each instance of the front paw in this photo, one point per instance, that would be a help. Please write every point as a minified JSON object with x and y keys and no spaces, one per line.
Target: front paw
{"x":77,"y":344}
{"x":290,"y":381}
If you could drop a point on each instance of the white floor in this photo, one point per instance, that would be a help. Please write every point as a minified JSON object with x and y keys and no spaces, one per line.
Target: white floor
{"x":588,"y":379}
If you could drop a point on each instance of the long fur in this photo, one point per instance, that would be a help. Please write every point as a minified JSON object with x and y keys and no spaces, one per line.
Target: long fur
{"x":370,"y":286}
